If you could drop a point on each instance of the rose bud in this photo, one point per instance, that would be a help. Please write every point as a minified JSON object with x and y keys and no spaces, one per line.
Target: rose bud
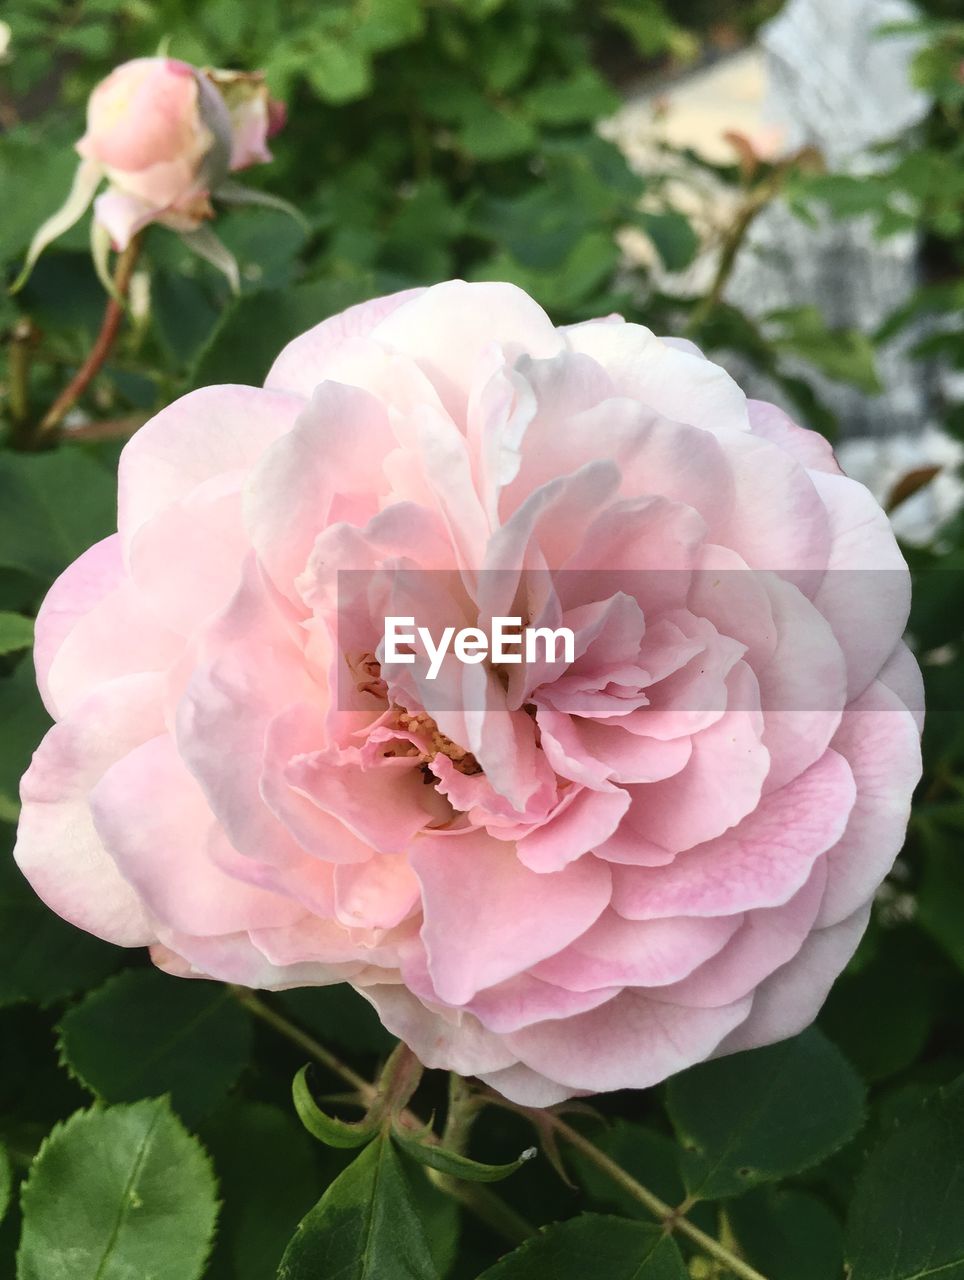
{"x":166,"y":136}
{"x":255,"y":115}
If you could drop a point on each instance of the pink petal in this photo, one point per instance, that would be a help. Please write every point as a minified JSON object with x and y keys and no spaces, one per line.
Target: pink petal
{"x":808,"y":447}
{"x":720,"y":784}
{"x":865,"y":593}
{"x":442,"y":1039}
{"x":58,"y":848}
{"x":879,"y":739}
{"x":446,"y":330}
{"x":768,"y":938}
{"x":207,"y":433}
{"x":91,"y":577}
{"x":377,"y":894}
{"x":585,"y":819}
{"x":488,"y":918}
{"x":638,"y":953}
{"x":788,"y":1001}
{"x":161,"y":848}
{"x":679,"y":385}
{"x":630,"y":1042}
{"x":761,"y":863}
{"x":304,"y":362}
{"x":524,"y":1000}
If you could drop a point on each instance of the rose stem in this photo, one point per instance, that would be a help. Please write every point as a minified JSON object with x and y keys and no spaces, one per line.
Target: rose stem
{"x":485,"y":1204}
{"x":103,"y":344}
{"x":254,"y":1004}
{"x":670,"y":1219}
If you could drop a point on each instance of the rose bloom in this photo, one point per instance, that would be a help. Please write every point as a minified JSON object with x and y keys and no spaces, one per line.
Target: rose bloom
{"x":166,"y":134}
{"x":561,"y":879}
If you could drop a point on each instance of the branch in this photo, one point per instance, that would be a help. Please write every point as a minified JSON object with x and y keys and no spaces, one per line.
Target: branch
{"x":669,"y":1218}
{"x":103,"y":344}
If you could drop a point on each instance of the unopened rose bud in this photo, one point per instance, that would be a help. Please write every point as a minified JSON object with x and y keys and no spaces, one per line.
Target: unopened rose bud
{"x":255,"y":115}
{"x":161,"y":133}
{"x":166,"y":136}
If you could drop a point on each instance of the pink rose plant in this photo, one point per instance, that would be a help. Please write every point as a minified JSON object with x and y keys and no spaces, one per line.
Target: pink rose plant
{"x":561,"y":878}
{"x":166,"y":136}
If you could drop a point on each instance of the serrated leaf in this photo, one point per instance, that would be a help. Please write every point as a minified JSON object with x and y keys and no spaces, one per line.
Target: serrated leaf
{"x":787,"y":1234}
{"x":906,"y":1221}
{"x":459,"y":1166}
{"x":266,"y":1168}
{"x":16,"y":632}
{"x":329,"y":1129}
{"x":365,"y":1226}
{"x":117,"y":1193}
{"x":144,"y":1033}
{"x":753,"y":1117}
{"x":593,"y":1245}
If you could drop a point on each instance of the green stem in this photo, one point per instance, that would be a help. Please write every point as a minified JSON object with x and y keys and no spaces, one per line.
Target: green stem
{"x":671,"y":1219}
{"x":254,"y":1004}
{"x":485,"y":1204}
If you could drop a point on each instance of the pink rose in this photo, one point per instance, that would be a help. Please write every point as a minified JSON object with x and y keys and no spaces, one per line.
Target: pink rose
{"x":562,"y":879}
{"x":161,"y":134}
{"x":166,"y":135}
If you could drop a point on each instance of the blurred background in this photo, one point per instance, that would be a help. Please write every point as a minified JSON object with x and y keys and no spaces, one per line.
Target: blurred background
{"x":781,"y":183}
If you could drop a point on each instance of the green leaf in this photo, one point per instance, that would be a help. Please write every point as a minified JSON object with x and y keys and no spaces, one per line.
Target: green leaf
{"x":583,"y":96}
{"x":266,"y":1168}
{"x":338,"y":71}
{"x":845,"y":355}
{"x":906,"y":1220}
{"x":672,"y":235}
{"x":881,"y":1014}
{"x":6,"y":1181}
{"x":940,"y":899}
{"x":53,"y":506}
{"x":365,"y":1226}
{"x":458,"y":1166}
{"x":329,"y":1129}
{"x":755,"y":1116}
{"x":593,"y":1245}
{"x":16,"y":632}
{"x":116,"y":1194}
{"x":788,"y":1234}
{"x":42,"y":958}
{"x":144,"y":1033}
{"x":494,"y":134}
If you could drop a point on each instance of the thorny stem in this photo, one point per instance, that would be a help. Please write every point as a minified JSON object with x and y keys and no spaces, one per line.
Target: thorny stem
{"x":254,"y":1004}
{"x":464,"y":1105}
{"x":485,"y":1204}
{"x":669,"y":1218}
{"x":103,"y":344}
